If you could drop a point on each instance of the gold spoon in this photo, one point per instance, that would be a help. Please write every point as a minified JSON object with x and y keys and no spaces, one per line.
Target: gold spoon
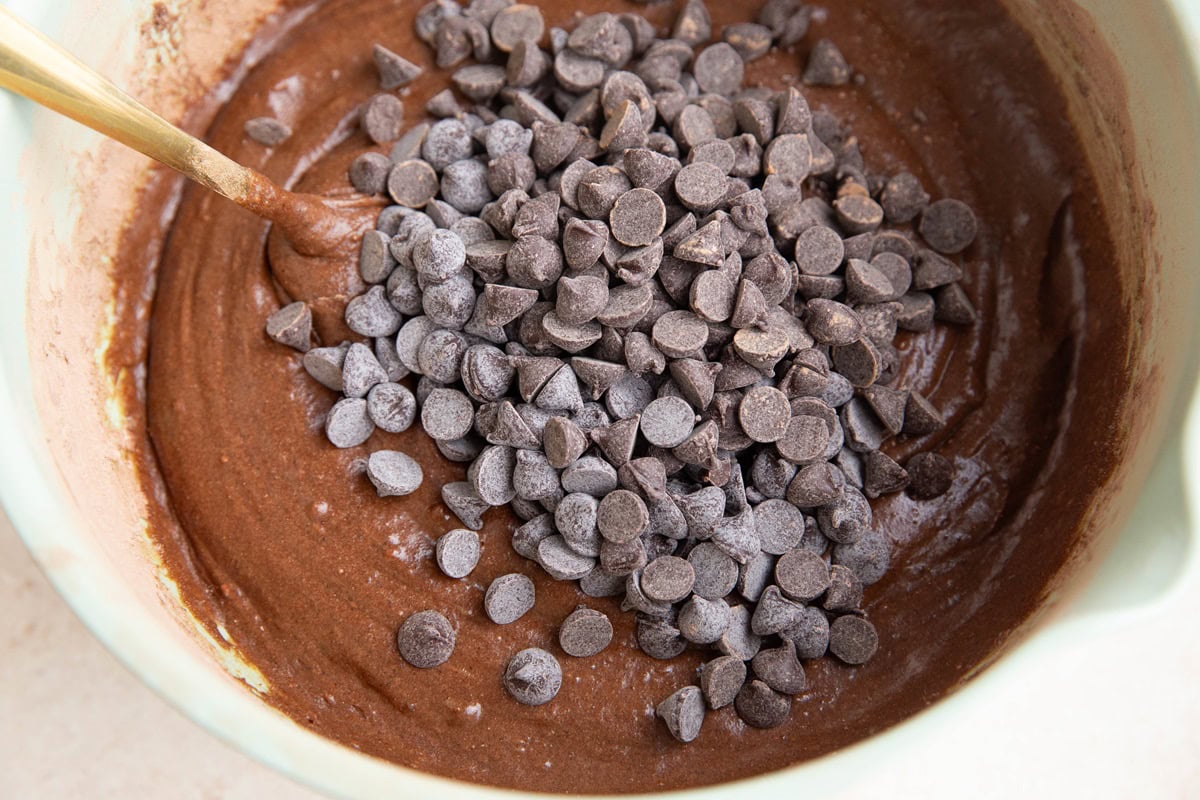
{"x":35,"y":67}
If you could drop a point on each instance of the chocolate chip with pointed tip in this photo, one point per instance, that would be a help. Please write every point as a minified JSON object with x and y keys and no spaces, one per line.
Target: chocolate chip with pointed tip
{"x":533,"y":677}
{"x":930,"y":475}
{"x":426,"y":639}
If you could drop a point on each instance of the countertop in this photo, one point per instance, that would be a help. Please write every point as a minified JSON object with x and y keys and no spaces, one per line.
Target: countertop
{"x":74,"y":723}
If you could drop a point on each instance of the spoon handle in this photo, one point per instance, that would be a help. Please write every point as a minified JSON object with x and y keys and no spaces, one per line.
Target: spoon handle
{"x":35,"y":67}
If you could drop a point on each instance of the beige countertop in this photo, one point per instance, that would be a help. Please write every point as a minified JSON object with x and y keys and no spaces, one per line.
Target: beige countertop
{"x":74,"y":723}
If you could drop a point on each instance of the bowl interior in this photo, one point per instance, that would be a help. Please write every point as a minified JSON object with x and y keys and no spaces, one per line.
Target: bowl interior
{"x":67,"y":478}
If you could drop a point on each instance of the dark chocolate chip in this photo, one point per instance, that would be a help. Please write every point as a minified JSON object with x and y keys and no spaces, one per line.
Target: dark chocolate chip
{"x":585,"y":632}
{"x":533,"y":676}
{"x":457,"y":553}
{"x":853,"y":639}
{"x":826,"y":66}
{"x":426,"y":639}
{"x":760,"y":706}
{"x":930,"y":475}
{"x":948,"y":226}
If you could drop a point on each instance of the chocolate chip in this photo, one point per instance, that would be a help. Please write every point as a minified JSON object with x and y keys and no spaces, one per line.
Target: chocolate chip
{"x":622,"y":516}
{"x":703,"y":621}
{"x":292,"y":326}
{"x":695,"y":380}
{"x":920,"y":416}
{"x":833,"y":323}
{"x":479,"y":82}
{"x":845,"y":591}
{"x":700,"y":186}
{"x":628,"y":396}
{"x":533,"y":676}
{"x":819,"y":251}
{"x":720,"y":680}
{"x":624,"y":129}
{"x":933,"y":270}
{"x":534,"y":262}
{"x":667,"y":421}
{"x":347,"y":424}
{"x":679,"y":334}
{"x":749,"y":39}
{"x":846,"y":518}
{"x":268,"y":131}
{"x":704,"y":246}
{"x":637,"y":217}
{"x":641,"y":356}
{"x":804,"y":441}
{"x":369,"y":172}
{"x":760,"y":706}
{"x":780,"y":526}
{"x":447,"y":414}
{"x":719,"y":69}
{"x":580,"y":299}
{"x":903,"y":198}
{"x":780,"y":669}
{"x":382,"y":118}
{"x":869,"y":556}
{"x":826,"y":66}
{"x":563,"y":442}
{"x":412,"y":183}
{"x":683,"y":713}
{"x":457,"y":553}
{"x":693,"y":25}
{"x":858,"y":214}
{"x":590,"y":475}
{"x":738,"y":640}
{"x":394,"y":71}
{"x":563,"y":563}
{"x":426,"y":639}
{"x":715,"y":572}
{"x":948,"y":226}
{"x":882,"y":475}
{"x":765,"y":414}
{"x":448,"y":141}
{"x":801,"y":575}
{"x":601,"y":583}
{"x":517,"y":23}
{"x":360,"y":371}
{"x":774,"y":613}
{"x":930,"y":475}
{"x":953,"y":305}
{"x":585,"y":632}
{"x":491,"y":474}
{"x":858,"y":362}
{"x":508,"y":598}
{"x":853,"y":639}
{"x":755,"y":575}
{"x":561,"y":391}
{"x":599,"y":189}
{"x":393,"y":473}
{"x":888,"y":405}
{"x":575,"y":518}
{"x":810,"y":633}
{"x":667,"y":579}
{"x":583,"y":242}
{"x":770,"y":475}
{"x":659,"y":639}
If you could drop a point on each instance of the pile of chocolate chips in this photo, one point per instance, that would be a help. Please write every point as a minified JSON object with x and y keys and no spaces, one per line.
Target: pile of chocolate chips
{"x":654,"y":311}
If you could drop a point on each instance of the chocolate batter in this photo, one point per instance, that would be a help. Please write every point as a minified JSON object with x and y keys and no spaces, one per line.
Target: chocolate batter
{"x":276,"y":537}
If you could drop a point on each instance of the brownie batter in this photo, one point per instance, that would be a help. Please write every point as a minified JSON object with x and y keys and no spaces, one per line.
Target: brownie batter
{"x":279,"y":542}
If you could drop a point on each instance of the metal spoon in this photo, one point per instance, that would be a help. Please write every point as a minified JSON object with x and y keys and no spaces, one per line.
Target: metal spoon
{"x":35,"y":67}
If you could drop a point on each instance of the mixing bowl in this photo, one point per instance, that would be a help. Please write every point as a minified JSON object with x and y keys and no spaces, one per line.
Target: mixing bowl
{"x":1132,"y":82}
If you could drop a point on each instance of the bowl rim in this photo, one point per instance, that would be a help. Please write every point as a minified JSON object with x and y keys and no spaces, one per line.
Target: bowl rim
{"x":30,"y":488}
